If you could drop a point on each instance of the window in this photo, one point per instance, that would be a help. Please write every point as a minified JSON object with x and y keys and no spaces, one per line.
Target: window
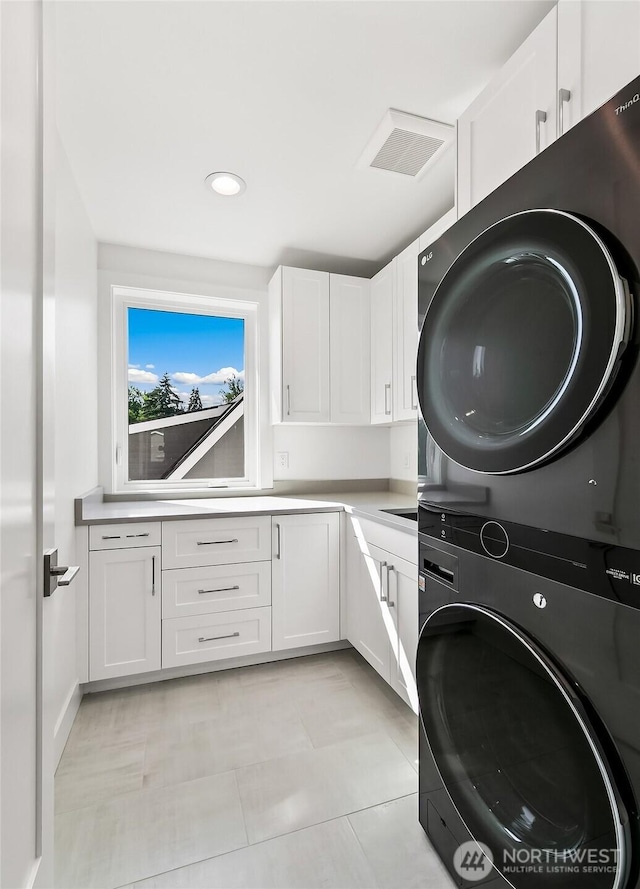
{"x":185,"y":387}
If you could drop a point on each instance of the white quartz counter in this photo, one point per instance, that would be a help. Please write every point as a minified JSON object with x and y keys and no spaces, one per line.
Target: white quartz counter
{"x":91,"y":509}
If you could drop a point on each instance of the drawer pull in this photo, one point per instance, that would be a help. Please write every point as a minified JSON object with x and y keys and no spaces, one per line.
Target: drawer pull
{"x":146,"y":534}
{"x":215,"y":542}
{"x":221,"y":589}
{"x":111,"y":536}
{"x":213,"y":638}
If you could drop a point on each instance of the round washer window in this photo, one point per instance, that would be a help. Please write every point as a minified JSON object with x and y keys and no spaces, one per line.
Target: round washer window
{"x":517,"y":754}
{"x":520,"y":342}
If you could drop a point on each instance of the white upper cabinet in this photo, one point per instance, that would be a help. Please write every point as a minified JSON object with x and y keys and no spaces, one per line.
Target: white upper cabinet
{"x":598,"y":53}
{"x":349,"y":349}
{"x":382,"y":297}
{"x":405,"y":327}
{"x":319,"y":345}
{"x":305,"y":353}
{"x":512,"y":119}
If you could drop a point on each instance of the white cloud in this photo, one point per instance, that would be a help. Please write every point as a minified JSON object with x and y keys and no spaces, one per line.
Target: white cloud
{"x":217,"y":377}
{"x":150,"y":366}
{"x":141,"y":376}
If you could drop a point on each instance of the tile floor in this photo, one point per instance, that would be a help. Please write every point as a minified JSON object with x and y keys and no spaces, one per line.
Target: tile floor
{"x":290,"y":775}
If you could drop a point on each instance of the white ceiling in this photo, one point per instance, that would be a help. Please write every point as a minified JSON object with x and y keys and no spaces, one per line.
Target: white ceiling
{"x":153,"y":96}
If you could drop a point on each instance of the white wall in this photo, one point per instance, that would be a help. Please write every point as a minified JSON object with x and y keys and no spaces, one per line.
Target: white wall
{"x":403,"y":452}
{"x":325,"y":452}
{"x":76,"y":398}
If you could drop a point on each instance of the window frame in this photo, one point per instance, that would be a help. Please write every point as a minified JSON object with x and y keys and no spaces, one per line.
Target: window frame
{"x":124,"y":298}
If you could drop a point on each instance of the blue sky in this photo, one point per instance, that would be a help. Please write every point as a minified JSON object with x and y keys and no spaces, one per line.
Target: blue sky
{"x":195,"y":350}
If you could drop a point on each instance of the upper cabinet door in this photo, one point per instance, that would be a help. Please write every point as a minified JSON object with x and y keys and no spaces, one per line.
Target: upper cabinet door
{"x":512,"y":119}
{"x":382,"y":295}
{"x":405,"y":396}
{"x":305,"y":341}
{"x":350,"y":350}
{"x":598,"y":54}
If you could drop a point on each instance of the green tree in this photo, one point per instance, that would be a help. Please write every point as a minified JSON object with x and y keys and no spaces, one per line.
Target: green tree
{"x":235,"y":387}
{"x":163,"y":401}
{"x":195,"y":402}
{"x":136,"y":404}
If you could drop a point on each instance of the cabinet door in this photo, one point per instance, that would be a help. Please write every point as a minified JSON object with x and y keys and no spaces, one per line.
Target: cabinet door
{"x":598,"y":53}
{"x":501,"y":130}
{"x":369,"y":624}
{"x":305,"y":346}
{"x":305,"y":584}
{"x":350,"y":350}
{"x":405,"y":329}
{"x":382,"y":291}
{"x":125,"y":599}
{"x":402,"y":595}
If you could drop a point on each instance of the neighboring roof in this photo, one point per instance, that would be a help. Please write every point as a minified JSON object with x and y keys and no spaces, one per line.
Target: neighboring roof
{"x":214,"y":413}
{"x":207,"y":441}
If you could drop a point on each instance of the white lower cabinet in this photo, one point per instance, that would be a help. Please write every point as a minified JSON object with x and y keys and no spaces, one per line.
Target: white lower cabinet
{"x":125,"y":594}
{"x":305,"y":580}
{"x":382,"y":605}
{"x":209,"y":637}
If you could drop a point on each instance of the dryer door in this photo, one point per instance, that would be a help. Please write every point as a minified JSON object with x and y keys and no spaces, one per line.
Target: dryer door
{"x":518,"y":754}
{"x":521,"y":341}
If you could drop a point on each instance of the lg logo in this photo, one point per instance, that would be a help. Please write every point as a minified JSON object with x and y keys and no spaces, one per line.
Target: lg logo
{"x":635,"y":578}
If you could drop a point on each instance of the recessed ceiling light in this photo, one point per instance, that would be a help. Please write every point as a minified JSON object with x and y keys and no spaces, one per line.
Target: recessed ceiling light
{"x":227,"y":184}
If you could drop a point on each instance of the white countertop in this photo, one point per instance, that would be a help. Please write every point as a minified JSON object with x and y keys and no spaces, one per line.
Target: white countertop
{"x":93,"y":511}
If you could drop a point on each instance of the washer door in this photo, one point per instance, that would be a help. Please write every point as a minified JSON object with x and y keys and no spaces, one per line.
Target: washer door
{"x":518,"y":755}
{"x":521,"y":341}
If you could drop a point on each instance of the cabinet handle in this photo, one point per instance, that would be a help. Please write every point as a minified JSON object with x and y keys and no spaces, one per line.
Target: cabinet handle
{"x":111,"y":536}
{"x":215,"y":542}
{"x":541,"y":117}
{"x":146,"y":534}
{"x":278,"y":539}
{"x":382,"y":597}
{"x":153,"y":575}
{"x":414,"y":406}
{"x":222,"y":589}
{"x":563,"y":96}
{"x":212,"y":638}
{"x":387,"y":407}
{"x":288,"y":401}
{"x":389,"y":570}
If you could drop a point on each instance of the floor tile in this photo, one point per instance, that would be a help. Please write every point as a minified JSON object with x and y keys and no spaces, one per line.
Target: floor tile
{"x":340,"y":714}
{"x":148,"y":832}
{"x":93,"y":773}
{"x":238,"y":737}
{"x":397,"y":849}
{"x":297,"y":791}
{"x":326,"y":856}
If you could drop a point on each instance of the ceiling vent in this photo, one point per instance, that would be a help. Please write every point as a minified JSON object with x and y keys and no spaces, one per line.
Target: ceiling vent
{"x":406,"y":144}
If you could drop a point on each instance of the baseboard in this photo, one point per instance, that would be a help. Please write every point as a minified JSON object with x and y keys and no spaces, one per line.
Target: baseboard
{"x":65,"y":721}
{"x":210,"y":667}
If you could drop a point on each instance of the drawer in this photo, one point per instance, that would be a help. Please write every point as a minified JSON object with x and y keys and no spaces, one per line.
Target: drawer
{"x":124,"y":535}
{"x":212,"y":637}
{"x":215,"y":588}
{"x":188,"y":544}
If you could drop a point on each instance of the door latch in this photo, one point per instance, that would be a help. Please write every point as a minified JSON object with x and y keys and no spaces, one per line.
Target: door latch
{"x":56,"y":575}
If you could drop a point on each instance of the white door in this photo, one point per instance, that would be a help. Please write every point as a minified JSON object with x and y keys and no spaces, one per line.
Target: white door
{"x":405,"y":328}
{"x":305,"y":581}
{"x":382,"y":289}
{"x":350,"y":341}
{"x":503,"y":128}
{"x":125,"y":611}
{"x":402,"y":594}
{"x":305,"y":346}
{"x":369,"y":622}
{"x":26,"y":730}
{"x":598,"y":53}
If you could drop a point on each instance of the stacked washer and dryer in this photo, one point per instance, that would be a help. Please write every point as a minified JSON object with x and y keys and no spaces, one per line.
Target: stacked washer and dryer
{"x":528,"y":665}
